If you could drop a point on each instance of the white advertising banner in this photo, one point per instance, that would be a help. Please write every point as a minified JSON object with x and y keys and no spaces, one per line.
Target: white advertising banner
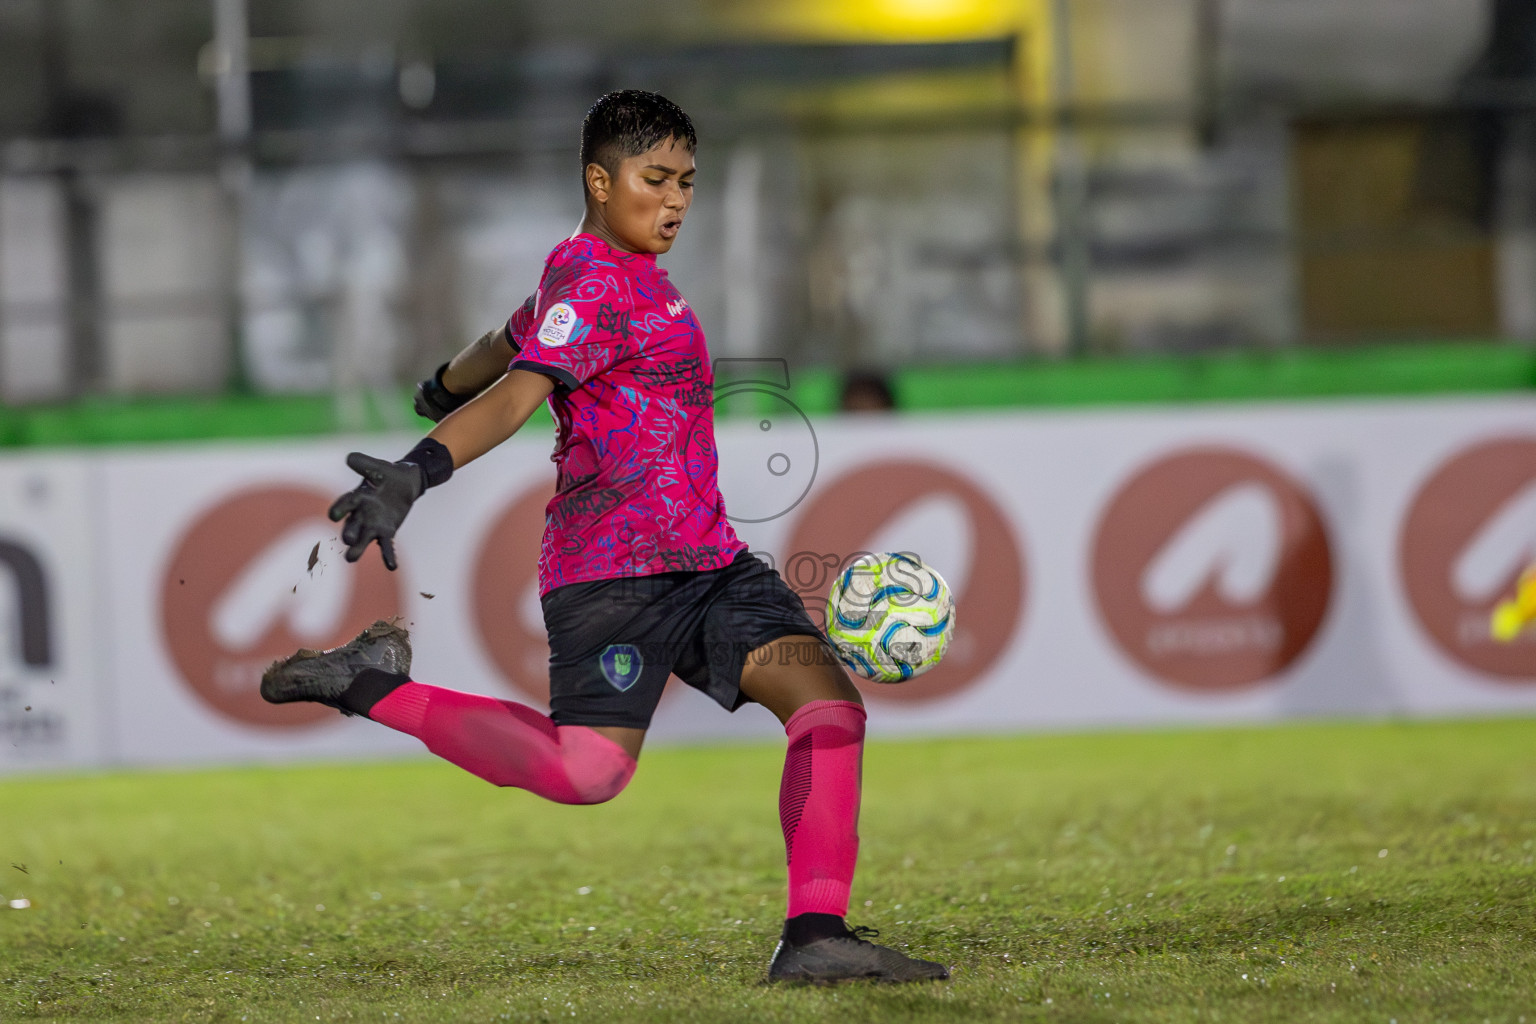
{"x":52,"y":663}
{"x":1189,"y":565}
{"x":1175,"y":565}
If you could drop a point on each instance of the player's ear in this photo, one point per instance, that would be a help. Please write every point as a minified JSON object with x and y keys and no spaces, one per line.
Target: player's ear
{"x":599,"y":182}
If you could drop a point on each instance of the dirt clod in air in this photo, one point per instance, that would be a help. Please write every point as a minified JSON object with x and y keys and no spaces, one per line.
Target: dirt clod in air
{"x":427,"y":595}
{"x":314,"y":556}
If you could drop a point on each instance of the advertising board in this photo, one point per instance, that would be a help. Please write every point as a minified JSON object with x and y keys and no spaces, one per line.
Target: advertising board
{"x":1112,"y":568}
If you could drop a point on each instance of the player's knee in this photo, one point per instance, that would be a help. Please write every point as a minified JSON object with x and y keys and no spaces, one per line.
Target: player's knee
{"x":600,"y":780}
{"x":597,"y":768}
{"x":596,"y":787}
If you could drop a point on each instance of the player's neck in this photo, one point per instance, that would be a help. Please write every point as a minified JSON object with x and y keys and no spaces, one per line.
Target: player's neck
{"x":597,"y":229}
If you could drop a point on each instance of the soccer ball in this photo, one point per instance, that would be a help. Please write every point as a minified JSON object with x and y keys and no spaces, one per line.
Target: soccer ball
{"x":889,"y":617}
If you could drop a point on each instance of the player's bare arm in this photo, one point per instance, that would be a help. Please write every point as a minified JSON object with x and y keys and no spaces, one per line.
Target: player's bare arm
{"x":480,"y":364}
{"x":493,"y":417}
{"x":457,"y":381}
{"x":375,"y":509}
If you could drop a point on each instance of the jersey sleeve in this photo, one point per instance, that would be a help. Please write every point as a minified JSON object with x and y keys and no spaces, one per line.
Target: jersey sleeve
{"x":519,"y":324}
{"x":578,"y":325}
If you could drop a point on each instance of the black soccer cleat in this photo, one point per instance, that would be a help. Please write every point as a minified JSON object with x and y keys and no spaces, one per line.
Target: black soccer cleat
{"x":323,"y":676}
{"x":849,"y":957}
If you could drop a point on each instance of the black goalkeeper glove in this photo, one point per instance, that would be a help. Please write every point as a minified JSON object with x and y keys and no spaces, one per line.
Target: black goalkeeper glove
{"x":375,"y":509}
{"x":434,"y":401}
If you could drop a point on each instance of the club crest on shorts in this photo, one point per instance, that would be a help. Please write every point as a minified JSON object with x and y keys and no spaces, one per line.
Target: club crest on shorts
{"x":621,"y":665}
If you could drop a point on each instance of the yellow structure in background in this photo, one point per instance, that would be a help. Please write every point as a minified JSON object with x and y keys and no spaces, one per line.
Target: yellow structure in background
{"x":909,"y":21}
{"x":1032,"y":89}
{"x":889,"y":21}
{"x":1513,"y":617}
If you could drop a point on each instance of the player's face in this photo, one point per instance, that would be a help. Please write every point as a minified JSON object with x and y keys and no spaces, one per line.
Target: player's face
{"x":643,"y":203}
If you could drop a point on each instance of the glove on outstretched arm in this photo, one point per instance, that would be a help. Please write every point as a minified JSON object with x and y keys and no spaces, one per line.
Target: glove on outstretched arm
{"x":472,"y":371}
{"x":375,"y":509}
{"x":434,"y":400}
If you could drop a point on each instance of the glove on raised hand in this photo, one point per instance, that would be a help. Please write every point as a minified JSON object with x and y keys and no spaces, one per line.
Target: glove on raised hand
{"x":434,"y":401}
{"x":375,"y":509}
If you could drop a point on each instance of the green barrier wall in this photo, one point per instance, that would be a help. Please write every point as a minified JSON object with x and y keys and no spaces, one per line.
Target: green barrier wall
{"x":1396,"y":370}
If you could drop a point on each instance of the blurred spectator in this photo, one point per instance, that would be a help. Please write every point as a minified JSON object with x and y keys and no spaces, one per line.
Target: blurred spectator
{"x":866,"y":391}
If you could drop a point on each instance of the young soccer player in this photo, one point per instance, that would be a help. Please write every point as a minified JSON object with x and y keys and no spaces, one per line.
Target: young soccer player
{"x":640,"y":575}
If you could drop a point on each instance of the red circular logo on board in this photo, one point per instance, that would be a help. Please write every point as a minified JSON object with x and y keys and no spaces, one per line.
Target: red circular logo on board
{"x":506,"y":576}
{"x":1212,"y":570}
{"x":845,"y":515}
{"x":228,"y":610}
{"x":1469,"y":532}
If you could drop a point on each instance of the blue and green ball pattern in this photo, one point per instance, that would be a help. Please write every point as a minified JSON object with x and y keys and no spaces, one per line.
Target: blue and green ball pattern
{"x":890,"y":616}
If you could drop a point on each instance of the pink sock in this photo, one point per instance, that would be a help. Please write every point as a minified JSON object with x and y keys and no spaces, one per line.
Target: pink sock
{"x":509,"y":744}
{"x":819,"y":804}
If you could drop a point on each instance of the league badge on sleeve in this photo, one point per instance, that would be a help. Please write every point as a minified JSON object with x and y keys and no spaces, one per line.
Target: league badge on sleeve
{"x":559,"y":323}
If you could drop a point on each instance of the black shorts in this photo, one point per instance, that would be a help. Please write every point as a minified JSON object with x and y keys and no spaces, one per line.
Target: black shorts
{"x":613,"y":643}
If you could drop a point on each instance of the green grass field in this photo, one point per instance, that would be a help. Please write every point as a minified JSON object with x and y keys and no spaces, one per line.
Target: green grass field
{"x":1307,"y":873}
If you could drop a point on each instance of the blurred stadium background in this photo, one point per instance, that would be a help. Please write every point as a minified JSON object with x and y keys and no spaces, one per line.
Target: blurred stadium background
{"x":262,"y":220}
{"x":264,"y":197}
{"x":1211,"y":331}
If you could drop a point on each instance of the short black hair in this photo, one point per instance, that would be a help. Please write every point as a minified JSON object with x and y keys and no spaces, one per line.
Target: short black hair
{"x":627,"y":123}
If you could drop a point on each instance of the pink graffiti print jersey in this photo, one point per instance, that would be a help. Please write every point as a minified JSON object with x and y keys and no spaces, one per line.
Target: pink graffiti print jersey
{"x":637,"y":491}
